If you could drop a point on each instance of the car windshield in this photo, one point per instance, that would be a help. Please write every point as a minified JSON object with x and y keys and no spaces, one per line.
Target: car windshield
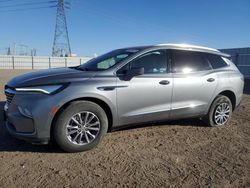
{"x":107,"y":60}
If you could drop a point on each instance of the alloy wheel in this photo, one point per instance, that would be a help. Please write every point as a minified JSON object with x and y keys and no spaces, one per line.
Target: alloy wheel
{"x":222,"y":113}
{"x":83,"y":128}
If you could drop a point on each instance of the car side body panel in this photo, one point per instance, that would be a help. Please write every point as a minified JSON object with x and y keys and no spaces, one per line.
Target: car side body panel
{"x":144,"y":99}
{"x":192,"y":93}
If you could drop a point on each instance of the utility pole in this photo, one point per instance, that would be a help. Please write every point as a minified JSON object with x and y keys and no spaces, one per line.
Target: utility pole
{"x":8,"y":51}
{"x":14,"y":49}
{"x":61,"y":45}
{"x":33,"y":52}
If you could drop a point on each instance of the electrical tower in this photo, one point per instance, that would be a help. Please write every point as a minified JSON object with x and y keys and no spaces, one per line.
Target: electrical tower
{"x":61,"y":46}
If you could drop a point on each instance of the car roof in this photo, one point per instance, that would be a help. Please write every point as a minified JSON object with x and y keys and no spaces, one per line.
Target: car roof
{"x":183,"y":47}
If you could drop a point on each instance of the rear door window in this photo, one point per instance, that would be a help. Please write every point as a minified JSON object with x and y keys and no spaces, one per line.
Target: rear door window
{"x":187,"y":61}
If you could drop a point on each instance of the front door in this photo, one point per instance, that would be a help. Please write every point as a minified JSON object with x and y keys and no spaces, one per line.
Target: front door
{"x":147,"y":97}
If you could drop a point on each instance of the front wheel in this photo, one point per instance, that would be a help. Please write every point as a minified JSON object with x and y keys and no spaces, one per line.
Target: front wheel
{"x":80,"y":126}
{"x":220,"y":112}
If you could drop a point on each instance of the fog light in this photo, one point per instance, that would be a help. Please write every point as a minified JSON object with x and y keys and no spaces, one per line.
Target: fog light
{"x":6,"y":107}
{"x":25,"y":112}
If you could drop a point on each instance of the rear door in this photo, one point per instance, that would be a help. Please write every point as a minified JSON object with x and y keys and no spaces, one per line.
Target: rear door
{"x":194,"y":83}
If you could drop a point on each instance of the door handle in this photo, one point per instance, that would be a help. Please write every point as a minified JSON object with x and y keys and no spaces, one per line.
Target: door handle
{"x":164,"y":82}
{"x":210,"y":79}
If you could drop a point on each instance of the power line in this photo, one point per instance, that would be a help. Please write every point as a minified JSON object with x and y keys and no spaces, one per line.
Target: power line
{"x":6,"y":0}
{"x":24,"y":9}
{"x":27,"y":4}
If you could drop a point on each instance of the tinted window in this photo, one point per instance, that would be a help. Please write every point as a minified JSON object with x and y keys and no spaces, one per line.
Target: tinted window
{"x":187,"y":61}
{"x":153,"y":63}
{"x":216,"y":61}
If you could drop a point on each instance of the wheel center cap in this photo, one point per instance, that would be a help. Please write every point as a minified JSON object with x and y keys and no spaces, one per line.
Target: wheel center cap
{"x":83,"y":128}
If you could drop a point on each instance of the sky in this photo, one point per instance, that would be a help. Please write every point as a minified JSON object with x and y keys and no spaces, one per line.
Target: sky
{"x":98,"y":26}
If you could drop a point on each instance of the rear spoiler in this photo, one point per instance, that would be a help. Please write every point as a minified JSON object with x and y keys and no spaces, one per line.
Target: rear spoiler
{"x":224,"y":54}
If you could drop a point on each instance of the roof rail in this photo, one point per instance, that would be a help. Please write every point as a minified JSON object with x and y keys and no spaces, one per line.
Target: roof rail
{"x":189,"y":46}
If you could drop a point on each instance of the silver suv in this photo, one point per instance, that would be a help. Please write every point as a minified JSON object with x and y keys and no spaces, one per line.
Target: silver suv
{"x":76,"y":106}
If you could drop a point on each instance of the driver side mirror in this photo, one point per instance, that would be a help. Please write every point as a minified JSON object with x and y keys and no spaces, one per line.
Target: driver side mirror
{"x":132,"y":73}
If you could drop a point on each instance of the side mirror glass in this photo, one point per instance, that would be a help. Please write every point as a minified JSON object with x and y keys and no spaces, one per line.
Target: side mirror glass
{"x":132,"y":73}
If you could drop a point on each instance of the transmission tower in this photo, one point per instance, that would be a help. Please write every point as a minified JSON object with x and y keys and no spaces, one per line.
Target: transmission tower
{"x":61,"y":46}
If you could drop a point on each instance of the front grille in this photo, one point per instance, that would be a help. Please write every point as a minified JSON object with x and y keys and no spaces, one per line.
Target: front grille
{"x":9,"y":95}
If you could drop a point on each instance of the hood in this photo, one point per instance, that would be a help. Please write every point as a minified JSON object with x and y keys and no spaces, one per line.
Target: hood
{"x":50,"y":76}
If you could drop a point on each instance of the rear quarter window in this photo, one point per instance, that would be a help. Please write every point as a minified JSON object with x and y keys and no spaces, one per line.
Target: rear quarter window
{"x":216,"y":61}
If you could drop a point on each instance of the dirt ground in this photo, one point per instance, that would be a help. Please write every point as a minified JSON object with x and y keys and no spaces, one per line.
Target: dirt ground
{"x":182,"y":153}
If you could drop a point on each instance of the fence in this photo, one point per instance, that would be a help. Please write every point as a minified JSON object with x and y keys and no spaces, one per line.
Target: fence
{"x":241,"y":58}
{"x":242,"y":61}
{"x":39,"y":62}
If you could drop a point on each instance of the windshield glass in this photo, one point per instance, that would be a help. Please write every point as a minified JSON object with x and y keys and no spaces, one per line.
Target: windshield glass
{"x":108,"y":60}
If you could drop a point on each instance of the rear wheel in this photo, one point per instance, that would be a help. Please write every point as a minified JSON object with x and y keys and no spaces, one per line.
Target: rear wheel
{"x":80,"y":126}
{"x":220,"y":112}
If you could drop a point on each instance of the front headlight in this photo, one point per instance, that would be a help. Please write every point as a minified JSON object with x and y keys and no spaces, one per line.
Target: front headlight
{"x":48,"y":89}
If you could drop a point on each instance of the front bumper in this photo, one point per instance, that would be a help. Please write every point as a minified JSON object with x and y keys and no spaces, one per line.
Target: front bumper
{"x":22,"y":128}
{"x":35,"y":129}
{"x":32,"y":138}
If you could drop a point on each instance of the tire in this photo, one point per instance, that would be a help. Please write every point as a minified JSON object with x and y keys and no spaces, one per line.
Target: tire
{"x":73,"y":121}
{"x":213,"y":117}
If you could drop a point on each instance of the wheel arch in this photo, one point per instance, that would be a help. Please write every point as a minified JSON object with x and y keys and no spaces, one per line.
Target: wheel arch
{"x":98,"y":101}
{"x":231,"y":95}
